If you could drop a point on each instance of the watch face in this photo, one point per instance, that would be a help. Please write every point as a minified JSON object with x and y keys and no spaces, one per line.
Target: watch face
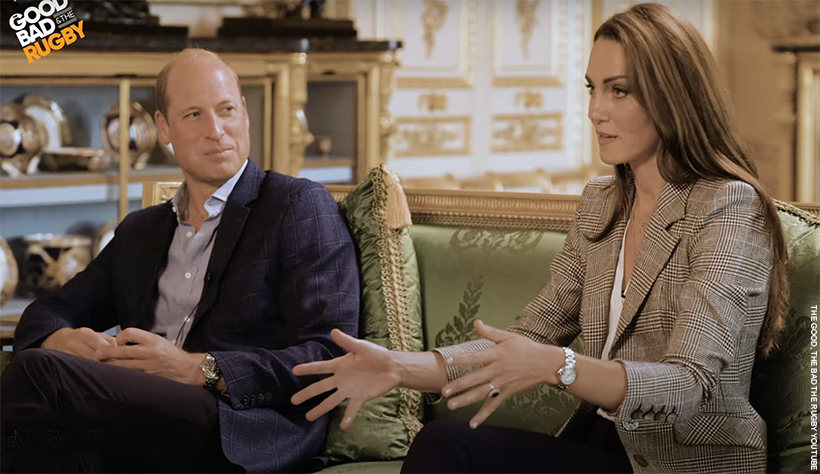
{"x":567,"y":375}
{"x":209,"y":367}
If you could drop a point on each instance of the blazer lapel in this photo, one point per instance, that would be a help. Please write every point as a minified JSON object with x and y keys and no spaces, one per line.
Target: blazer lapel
{"x":230,"y":229}
{"x":149,"y":266}
{"x":656,"y":249}
{"x":602,"y":258}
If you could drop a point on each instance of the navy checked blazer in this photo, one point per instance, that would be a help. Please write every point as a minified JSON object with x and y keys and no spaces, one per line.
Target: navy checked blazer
{"x":282,"y":274}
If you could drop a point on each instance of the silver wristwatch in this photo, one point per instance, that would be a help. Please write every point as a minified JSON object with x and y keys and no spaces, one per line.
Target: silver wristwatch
{"x":566,"y":374}
{"x":211,"y":370}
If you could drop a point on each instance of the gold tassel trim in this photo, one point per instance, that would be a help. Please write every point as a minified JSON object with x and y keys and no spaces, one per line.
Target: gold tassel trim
{"x":398,"y":211}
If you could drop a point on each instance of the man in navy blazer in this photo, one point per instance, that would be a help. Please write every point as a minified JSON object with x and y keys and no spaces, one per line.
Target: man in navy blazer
{"x":219,"y":294}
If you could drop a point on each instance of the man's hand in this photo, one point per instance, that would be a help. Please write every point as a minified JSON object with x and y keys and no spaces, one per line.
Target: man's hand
{"x":81,"y":342}
{"x":153,"y":354}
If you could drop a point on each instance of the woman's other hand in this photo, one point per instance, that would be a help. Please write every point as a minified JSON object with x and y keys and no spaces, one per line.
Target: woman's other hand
{"x":513,"y":364}
{"x":366,"y":372}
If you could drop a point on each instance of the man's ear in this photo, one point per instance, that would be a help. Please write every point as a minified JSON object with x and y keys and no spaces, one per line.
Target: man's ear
{"x":162,"y":127}
{"x":245,"y":108}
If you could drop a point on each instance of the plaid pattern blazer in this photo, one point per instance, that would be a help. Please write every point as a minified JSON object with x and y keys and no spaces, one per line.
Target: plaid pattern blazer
{"x":689,"y":326}
{"x":282,"y":274}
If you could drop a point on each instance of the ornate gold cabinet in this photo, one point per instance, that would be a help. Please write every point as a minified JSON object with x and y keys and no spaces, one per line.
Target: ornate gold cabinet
{"x":315,"y":106}
{"x":283,"y":80}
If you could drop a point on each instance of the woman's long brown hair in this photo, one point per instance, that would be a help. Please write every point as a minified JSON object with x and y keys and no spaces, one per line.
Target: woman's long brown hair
{"x":674,"y":76}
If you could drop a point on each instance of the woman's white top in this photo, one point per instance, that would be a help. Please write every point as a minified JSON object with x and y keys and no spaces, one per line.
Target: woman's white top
{"x":616,"y":304}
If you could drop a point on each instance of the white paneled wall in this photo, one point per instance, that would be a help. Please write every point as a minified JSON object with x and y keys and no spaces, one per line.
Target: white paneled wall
{"x":494,"y":85}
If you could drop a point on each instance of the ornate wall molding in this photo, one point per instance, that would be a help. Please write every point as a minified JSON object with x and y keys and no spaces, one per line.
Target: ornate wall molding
{"x":525,"y":11}
{"x":542,"y":23}
{"x":527,"y":132}
{"x":432,"y":136}
{"x":441,"y":55}
{"x":432,"y":19}
{"x":433,"y":102}
{"x":529,"y":99}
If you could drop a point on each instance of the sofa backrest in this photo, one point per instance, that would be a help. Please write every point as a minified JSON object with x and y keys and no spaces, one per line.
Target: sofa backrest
{"x":470,"y":273}
{"x":486,"y":255}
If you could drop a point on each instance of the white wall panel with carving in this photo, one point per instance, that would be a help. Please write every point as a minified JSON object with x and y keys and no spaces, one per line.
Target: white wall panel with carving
{"x":484,"y":85}
{"x":537,"y":104}
{"x":435,"y":103}
{"x":496,"y":86}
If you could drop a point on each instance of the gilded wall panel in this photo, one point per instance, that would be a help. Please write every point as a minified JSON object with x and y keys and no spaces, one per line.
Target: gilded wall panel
{"x":437,"y":37}
{"x":432,"y":136}
{"x":527,"y":132}
{"x":529,"y":43}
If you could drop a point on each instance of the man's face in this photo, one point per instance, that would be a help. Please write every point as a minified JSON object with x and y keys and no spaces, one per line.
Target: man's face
{"x":207,"y":121}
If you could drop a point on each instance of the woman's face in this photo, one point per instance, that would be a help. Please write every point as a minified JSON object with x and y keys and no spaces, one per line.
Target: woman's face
{"x":625,"y":131}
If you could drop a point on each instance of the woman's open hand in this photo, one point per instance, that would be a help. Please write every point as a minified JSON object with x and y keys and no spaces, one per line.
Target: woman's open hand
{"x":366,"y":372}
{"x":513,"y":364}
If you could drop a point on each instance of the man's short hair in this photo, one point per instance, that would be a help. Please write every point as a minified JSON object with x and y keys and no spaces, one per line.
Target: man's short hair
{"x":161,"y":88}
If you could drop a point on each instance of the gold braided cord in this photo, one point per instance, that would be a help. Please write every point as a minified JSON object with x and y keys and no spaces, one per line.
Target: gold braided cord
{"x":804,"y":214}
{"x":391,"y":254}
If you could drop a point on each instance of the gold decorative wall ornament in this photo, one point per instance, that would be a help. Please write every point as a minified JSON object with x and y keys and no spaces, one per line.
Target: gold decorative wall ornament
{"x":433,"y":102}
{"x":433,"y":18}
{"x":525,"y":132}
{"x":452,"y":65}
{"x":525,"y":12}
{"x":529,"y":99}
{"x":432,"y":136}
{"x":548,"y":67}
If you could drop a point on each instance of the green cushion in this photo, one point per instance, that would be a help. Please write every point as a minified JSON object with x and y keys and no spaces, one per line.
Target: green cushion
{"x":781,"y":384}
{"x":379,"y":467}
{"x":477,"y":273}
{"x":390,"y":316}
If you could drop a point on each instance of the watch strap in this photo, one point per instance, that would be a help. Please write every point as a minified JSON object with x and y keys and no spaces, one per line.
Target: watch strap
{"x":568,"y":367}
{"x":211,"y":370}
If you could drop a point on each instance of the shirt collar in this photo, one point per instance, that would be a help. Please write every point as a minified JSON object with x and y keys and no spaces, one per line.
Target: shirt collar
{"x":214,"y":205}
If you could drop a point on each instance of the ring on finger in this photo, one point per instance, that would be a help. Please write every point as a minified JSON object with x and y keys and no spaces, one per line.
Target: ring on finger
{"x":494,"y":392}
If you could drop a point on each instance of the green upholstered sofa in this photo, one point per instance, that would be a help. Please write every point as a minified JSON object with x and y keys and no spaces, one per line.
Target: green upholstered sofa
{"x":485,"y":255}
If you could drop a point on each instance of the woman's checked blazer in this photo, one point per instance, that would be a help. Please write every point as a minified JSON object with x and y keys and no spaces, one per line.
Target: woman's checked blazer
{"x":688,"y":331}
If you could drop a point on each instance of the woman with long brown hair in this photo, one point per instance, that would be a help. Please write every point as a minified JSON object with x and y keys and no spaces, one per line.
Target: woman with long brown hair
{"x":674,"y":272}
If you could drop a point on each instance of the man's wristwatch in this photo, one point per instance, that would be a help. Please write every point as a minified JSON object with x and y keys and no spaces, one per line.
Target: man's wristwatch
{"x":566,"y":374}
{"x":211,"y":370}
